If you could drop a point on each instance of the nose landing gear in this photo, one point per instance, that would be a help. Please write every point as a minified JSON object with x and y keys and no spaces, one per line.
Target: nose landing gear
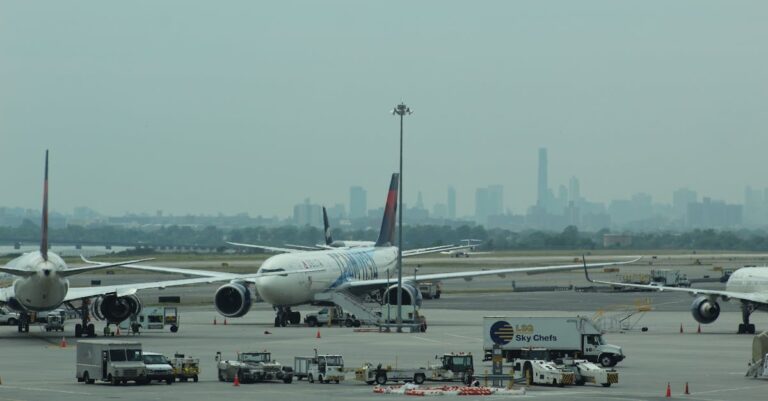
{"x":284,"y":316}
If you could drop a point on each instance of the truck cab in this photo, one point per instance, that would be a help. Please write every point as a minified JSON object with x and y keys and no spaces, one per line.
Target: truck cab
{"x":454,"y":366}
{"x":596,"y":349}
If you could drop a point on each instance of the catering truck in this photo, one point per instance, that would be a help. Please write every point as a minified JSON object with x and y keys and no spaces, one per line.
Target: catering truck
{"x":576,"y":337}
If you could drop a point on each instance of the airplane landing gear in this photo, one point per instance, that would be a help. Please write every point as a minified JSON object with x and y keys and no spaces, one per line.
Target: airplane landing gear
{"x":23,"y":323}
{"x":85,"y":328}
{"x":285,"y":316}
{"x":746,"y":309}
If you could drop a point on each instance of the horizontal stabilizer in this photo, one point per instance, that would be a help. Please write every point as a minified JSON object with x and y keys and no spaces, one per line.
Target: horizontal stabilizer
{"x":98,"y":266}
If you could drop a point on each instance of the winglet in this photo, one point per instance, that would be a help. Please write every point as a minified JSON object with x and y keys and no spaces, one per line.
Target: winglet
{"x":586,"y":274}
{"x":387,"y":233}
{"x":44,"y":226}
{"x":327,"y":228}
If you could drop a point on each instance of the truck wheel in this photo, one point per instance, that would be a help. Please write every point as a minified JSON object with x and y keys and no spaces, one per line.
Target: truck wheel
{"x":174,"y":328}
{"x":418,"y":379}
{"x":113,"y":380}
{"x":528,"y":373}
{"x":311,"y":322}
{"x":310,"y":378}
{"x":321,"y":379}
{"x":85,"y":378}
{"x":381,"y":379}
{"x":348,"y":323}
{"x":194,"y":378}
{"x":288,"y":380}
{"x":221,"y":377}
{"x":607,"y":360}
{"x":169,"y":381}
{"x":357,"y":323}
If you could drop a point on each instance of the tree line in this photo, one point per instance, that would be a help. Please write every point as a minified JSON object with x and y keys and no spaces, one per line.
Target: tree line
{"x":413,"y":237}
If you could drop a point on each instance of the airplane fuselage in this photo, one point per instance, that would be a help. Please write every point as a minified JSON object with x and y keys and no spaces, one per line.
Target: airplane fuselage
{"x":748,"y":279}
{"x":43,"y":290}
{"x":338,"y":267}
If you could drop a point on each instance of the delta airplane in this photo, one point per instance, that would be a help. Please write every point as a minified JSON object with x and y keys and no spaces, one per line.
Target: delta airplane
{"x":748,"y":285}
{"x":42,"y":285}
{"x":293,"y":279}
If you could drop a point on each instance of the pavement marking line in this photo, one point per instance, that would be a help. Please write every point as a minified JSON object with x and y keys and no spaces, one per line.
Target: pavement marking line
{"x":727,"y":389}
{"x":46,"y":390}
{"x":429,"y":340}
{"x":475,"y":339}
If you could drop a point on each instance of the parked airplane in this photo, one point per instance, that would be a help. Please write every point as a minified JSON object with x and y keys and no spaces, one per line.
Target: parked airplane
{"x":748,"y":285}
{"x":298,"y":278}
{"x":42,"y":285}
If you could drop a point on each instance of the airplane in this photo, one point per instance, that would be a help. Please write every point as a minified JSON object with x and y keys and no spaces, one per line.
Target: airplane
{"x":748,"y":285}
{"x":466,"y":250}
{"x":41,"y":284}
{"x":296,"y":278}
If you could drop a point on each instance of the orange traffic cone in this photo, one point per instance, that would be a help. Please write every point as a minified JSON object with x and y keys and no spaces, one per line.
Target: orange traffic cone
{"x":63,"y":343}
{"x":214,"y":320}
{"x":686,"y":389}
{"x":318,"y":334}
{"x":669,"y":391}
{"x":699,"y":329}
{"x":681,"y":328}
{"x":225,"y":321}
{"x":117,"y":333}
{"x":236,"y":382}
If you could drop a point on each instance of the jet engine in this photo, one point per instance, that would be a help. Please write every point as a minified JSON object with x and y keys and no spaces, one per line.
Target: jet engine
{"x":705,"y":310}
{"x":233,"y":299}
{"x":411,"y":295}
{"x":115,"y":309}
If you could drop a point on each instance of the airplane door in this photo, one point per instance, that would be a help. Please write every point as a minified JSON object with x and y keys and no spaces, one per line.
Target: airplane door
{"x":104,"y":360}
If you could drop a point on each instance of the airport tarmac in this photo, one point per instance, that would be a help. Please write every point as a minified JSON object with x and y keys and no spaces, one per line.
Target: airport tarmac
{"x":34,"y":367}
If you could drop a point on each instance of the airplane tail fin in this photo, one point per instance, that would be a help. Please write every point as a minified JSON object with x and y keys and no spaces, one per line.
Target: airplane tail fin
{"x":327,"y":228}
{"x":387,"y":233}
{"x":44,"y":226}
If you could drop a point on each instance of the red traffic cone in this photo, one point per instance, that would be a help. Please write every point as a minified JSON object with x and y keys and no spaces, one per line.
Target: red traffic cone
{"x":236,"y":382}
{"x":214,"y":320}
{"x":63,"y":343}
{"x":699,"y":329}
{"x":225,"y":321}
{"x":669,"y":391}
{"x":318,"y":334}
{"x":681,"y":328}
{"x":686,"y":389}
{"x":117,"y":333}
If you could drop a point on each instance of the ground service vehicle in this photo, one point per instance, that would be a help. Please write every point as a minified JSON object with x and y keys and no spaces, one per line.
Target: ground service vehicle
{"x":671,"y":278}
{"x":573,"y":336}
{"x":430,"y":290}
{"x":185,"y":368}
{"x":452,"y":367}
{"x":539,"y":371}
{"x":158,"y":367}
{"x":253,"y":367}
{"x":588,"y":372}
{"x":54,"y":322}
{"x":8,"y":317}
{"x":333,"y":315}
{"x":323,"y":368}
{"x":154,"y":318}
{"x":110,"y":361}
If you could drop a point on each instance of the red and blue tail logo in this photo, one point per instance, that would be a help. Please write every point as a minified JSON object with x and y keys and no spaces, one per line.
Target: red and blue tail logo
{"x":387,"y":233}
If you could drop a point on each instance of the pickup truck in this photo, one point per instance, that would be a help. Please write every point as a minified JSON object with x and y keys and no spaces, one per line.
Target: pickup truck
{"x":251,"y":367}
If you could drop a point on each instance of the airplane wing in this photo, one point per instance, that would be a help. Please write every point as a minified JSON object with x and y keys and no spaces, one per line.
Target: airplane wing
{"x":70,"y":272}
{"x":469,"y":275}
{"x":305,"y":247}
{"x":725,"y":295}
{"x":130,"y":289}
{"x":434,"y":249}
{"x":219,"y":276}
{"x":267,"y":248}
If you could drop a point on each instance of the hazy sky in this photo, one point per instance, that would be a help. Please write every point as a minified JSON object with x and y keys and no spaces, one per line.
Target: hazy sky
{"x":251,"y":106}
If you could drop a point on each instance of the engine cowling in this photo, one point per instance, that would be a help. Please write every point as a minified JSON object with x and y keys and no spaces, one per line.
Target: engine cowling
{"x":705,"y":310}
{"x":411,"y":295}
{"x":233,"y":299}
{"x":115,"y":309}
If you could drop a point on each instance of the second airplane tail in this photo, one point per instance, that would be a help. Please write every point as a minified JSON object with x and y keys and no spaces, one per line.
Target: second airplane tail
{"x":387,"y":233}
{"x":327,"y":228}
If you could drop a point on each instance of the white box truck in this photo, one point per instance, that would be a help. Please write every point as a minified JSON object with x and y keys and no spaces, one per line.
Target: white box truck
{"x":111,"y":361}
{"x":576,"y":337}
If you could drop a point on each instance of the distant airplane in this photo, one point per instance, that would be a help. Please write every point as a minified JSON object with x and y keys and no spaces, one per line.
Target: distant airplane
{"x":748,"y":285}
{"x":329,"y":242}
{"x":465,"y":250}
{"x":299,"y":278}
{"x":42,"y":285}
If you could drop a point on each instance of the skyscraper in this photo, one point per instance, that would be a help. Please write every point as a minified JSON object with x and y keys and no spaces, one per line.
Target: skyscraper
{"x":451,"y":203}
{"x":358,"y":202}
{"x":574,"y":192}
{"x":488,"y":202}
{"x":542,"y":201}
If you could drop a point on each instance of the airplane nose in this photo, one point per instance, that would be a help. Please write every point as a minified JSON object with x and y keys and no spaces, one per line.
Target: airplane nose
{"x":267,"y":290}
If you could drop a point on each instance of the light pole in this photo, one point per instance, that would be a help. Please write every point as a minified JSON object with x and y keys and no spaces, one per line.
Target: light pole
{"x":400,"y":110}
